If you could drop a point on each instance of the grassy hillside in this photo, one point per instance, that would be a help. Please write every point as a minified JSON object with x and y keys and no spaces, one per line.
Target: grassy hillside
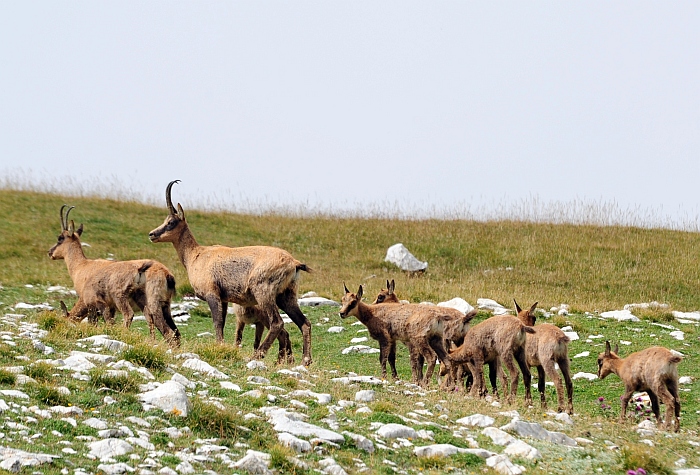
{"x":588,"y":267}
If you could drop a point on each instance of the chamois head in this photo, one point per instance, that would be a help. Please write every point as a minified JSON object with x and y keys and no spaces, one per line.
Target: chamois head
{"x":605,"y":361}
{"x":526,"y":316}
{"x":387,"y":295}
{"x":68,"y":235}
{"x":349,"y":302}
{"x":173,"y":224}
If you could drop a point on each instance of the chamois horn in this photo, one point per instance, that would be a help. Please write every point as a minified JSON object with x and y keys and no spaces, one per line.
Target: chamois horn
{"x":64,"y":219}
{"x":63,"y":223}
{"x":168,"y":200}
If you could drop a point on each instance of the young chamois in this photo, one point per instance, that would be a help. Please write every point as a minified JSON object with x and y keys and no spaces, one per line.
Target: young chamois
{"x":455,"y":328}
{"x":255,"y":316}
{"x":496,"y":341}
{"x":261,"y":276}
{"x":388,"y":323}
{"x":654,"y":370}
{"x":106,"y":286}
{"x":545,"y":349}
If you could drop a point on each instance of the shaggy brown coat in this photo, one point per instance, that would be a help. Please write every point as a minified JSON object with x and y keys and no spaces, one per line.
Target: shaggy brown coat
{"x":654,"y":370}
{"x":496,"y":341}
{"x":545,"y":349}
{"x":106,"y":286}
{"x":408,"y":323}
{"x":261,"y":276}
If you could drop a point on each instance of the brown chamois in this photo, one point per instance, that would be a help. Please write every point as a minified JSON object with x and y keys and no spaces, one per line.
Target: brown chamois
{"x":455,"y":328}
{"x":255,"y":316}
{"x":545,"y":349}
{"x":261,"y":276}
{"x":654,"y":370}
{"x":388,"y":323}
{"x":496,"y":341}
{"x":106,"y":286}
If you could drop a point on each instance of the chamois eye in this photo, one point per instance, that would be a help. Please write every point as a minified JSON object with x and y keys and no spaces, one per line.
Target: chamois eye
{"x":380,"y":298}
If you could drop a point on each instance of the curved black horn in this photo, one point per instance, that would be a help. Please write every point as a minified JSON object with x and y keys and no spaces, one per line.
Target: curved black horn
{"x":66,"y":218}
{"x":63,"y":223}
{"x":169,"y":201}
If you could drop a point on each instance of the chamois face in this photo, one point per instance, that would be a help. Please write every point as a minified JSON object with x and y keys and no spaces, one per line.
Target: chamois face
{"x":387,"y":295}
{"x":170,"y":229}
{"x":605,"y":360}
{"x":348,"y":304}
{"x":65,"y":239}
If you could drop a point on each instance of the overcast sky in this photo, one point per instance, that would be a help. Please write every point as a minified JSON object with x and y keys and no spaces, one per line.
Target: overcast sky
{"x":430,"y":105}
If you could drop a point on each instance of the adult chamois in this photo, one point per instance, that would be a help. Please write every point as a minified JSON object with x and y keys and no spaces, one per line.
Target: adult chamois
{"x":106,"y":286}
{"x":261,"y":276}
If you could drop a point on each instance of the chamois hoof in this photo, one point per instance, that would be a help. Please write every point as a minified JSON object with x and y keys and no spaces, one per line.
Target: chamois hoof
{"x":282,"y":359}
{"x":306,"y":361}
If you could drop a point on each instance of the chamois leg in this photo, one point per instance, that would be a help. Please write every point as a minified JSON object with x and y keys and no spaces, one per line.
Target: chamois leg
{"x":287,"y":301}
{"x":392,"y":360}
{"x":564,"y":367}
{"x":285,"y":351}
{"x":416,"y":359}
{"x":541,"y":387}
{"x":240,"y":326}
{"x":436,"y":348}
{"x":78,"y":312}
{"x":167,"y":326}
{"x":276,"y":325}
{"x":476,"y":366}
{"x":513,"y":374}
{"x":384,"y":348}
{"x":655,"y":406}
{"x":493,"y":373}
{"x":672,"y":386}
{"x":505,"y":386}
{"x":124,"y":306}
{"x":667,"y":398}
{"x":624,"y":400}
{"x":553,"y":374}
{"x":218,"y":315}
{"x":521,"y":359}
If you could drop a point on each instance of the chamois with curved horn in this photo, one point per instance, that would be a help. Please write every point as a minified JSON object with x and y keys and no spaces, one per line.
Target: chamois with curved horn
{"x":106,"y":286}
{"x":262,"y":276}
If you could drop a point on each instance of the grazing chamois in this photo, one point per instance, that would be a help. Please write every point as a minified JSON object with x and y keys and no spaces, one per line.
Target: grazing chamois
{"x":654,"y":370}
{"x":545,"y":349}
{"x":106,"y":286}
{"x":455,"y":328}
{"x":496,"y":341}
{"x":255,"y":316}
{"x":388,"y":323}
{"x":261,"y":276}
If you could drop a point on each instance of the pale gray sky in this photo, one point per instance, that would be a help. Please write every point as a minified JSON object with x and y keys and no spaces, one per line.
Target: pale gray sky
{"x":425,"y":105}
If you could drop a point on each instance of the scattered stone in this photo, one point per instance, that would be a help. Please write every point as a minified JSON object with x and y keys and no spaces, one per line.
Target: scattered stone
{"x":620,"y":315}
{"x":336,"y":329}
{"x":321,"y":398}
{"x":95,"y":423}
{"x":251,"y":463}
{"x":446,"y":450}
{"x":582,"y":375}
{"x":317,"y":302}
{"x":457,"y":303}
{"x":294,"y":443}
{"x":503,"y":465}
{"x":358,"y":379}
{"x":476,"y":420}
{"x":204,"y":367}
{"x":685,"y":380}
{"x":582,"y":354}
{"x":14,"y":393}
{"x":284,"y":421}
{"x":115,"y":468}
{"x":361,"y":442}
{"x":536,"y":431}
{"x":493,"y":306}
{"x":402,"y":258}
{"x":230,"y":385}
{"x":361,"y":349}
{"x":393,"y":431}
{"x":255,"y":364}
{"x":255,"y":393}
{"x":169,"y":397}
{"x":109,"y":448}
{"x":366,"y":395}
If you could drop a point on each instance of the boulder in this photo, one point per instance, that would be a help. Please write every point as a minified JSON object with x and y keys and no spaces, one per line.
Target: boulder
{"x":169,"y":397}
{"x":400,"y":256}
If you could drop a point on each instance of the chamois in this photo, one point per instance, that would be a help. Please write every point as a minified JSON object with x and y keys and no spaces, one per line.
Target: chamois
{"x":654,"y":370}
{"x":496,"y":341}
{"x":106,"y":286}
{"x":253,"y":315}
{"x":261,"y":276}
{"x":545,"y":349}
{"x":409,"y":323}
{"x":455,"y":327}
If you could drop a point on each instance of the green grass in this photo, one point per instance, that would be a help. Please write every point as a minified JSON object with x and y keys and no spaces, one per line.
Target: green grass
{"x":590,"y":268}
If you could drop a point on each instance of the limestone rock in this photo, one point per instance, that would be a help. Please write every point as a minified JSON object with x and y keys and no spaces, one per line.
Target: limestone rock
{"x":294,"y":443}
{"x":169,"y":397}
{"x":446,"y":450}
{"x":204,"y":367}
{"x":504,"y":466}
{"x":393,"y":431}
{"x":476,"y":420}
{"x":400,"y":256}
{"x":536,"y":431}
{"x":109,"y":448}
{"x":457,"y":303}
{"x":366,"y":395}
{"x":361,"y":442}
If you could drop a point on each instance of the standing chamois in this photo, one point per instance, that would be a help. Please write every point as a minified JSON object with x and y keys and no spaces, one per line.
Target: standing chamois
{"x":496,"y":341}
{"x":412,"y":324}
{"x":106,"y":286}
{"x":261,"y":276}
{"x":545,"y":349}
{"x":654,"y":370}
{"x":255,"y":316}
{"x":456,"y":325}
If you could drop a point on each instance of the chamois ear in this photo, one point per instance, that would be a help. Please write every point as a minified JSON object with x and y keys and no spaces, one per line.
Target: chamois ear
{"x":391,"y":287}
{"x":180,"y":212}
{"x":359,"y":293}
{"x":71,"y":228}
{"x":79,"y":231}
{"x":607,"y":348}
{"x":534,"y":307}
{"x":64,"y":309}
{"x":517,"y":307}
{"x":346,"y":288}
{"x":617,"y":349}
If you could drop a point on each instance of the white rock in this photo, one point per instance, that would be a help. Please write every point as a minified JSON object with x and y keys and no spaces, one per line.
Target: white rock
{"x":686,"y":315}
{"x":573,"y":336}
{"x":620,"y":315}
{"x":178,"y":378}
{"x":230,"y":385}
{"x":582,"y":354}
{"x":317,"y":302}
{"x":282,"y":421}
{"x":336,"y":329}
{"x":360,"y":339}
{"x":522,"y":449}
{"x":678,"y":335}
{"x":393,"y":431}
{"x":457,"y":303}
{"x":77,"y":363}
{"x":503,"y":465}
{"x":255,"y":393}
{"x":362,"y":349}
{"x":446,"y":450}
{"x":366,"y":395}
{"x":115,"y":468}
{"x":95,"y":423}
{"x":252,"y":464}
{"x":358,"y":379}
{"x":493,"y":306}
{"x":321,"y":398}
{"x":401,"y":257}
{"x":109,"y":448}
{"x":361,"y":442}
{"x":536,"y":431}
{"x":169,"y":397}
{"x":294,"y":443}
{"x":204,"y":367}
{"x":476,"y":420}
{"x":564,"y":418}
{"x":14,"y":393}
{"x":258,"y":380}
{"x":582,"y":375}
{"x":255,"y":364}
{"x":685,"y":380}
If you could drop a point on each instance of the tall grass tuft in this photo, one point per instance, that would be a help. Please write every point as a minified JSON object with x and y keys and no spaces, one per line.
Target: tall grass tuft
{"x":148,"y":355}
{"x":212,"y":351}
{"x":7,"y":378}
{"x":226,"y":424}
{"x":47,"y":394}
{"x":121,"y":382}
{"x":636,"y":456}
{"x":40,"y":371}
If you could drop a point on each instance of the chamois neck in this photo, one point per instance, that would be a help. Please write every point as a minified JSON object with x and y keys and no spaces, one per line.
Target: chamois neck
{"x":74,"y":256}
{"x":185,"y":245}
{"x":364,"y":313}
{"x":616,"y":364}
